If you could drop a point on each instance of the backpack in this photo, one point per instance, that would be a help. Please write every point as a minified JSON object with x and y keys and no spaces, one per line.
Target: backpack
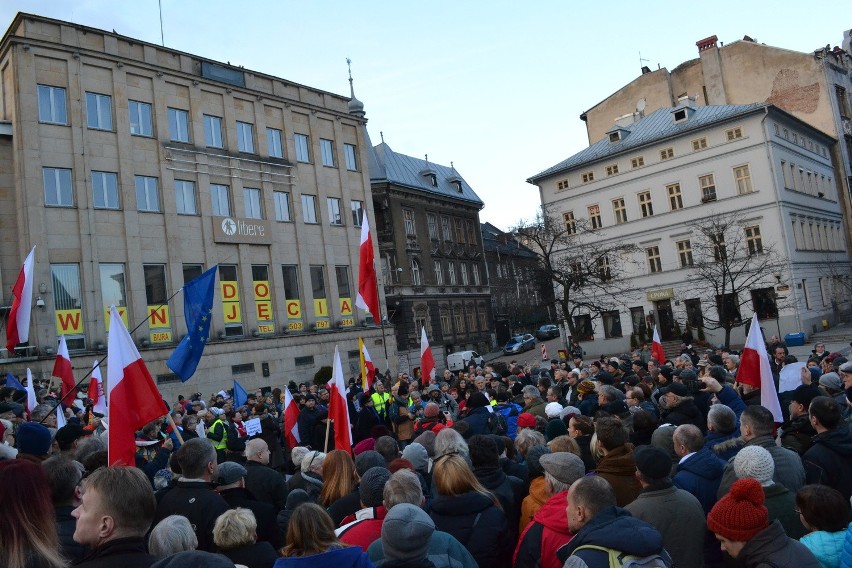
{"x":618,"y":559}
{"x":497,"y":423}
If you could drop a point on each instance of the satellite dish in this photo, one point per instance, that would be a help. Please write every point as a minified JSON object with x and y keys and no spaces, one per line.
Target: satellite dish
{"x":640,"y":105}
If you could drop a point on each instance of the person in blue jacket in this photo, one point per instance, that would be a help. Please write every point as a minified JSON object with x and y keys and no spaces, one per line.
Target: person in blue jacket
{"x":311,"y":543}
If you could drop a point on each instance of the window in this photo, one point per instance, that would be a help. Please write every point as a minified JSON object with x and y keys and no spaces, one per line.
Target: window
{"x":178,"y":125}
{"x":140,"y":118}
{"x":105,"y":190}
{"x":471,"y":236}
{"x":684,"y":253}
{"x":318,"y":284}
{"x":666,"y":153}
{"x":274,"y":143}
{"x":185,"y":197}
{"x":334,"y":217}
{"x":57,"y":187}
{"x":432,"y":222}
{"x":439,"y":273}
{"x":52,"y":105}
{"x":763,"y":303}
{"x":675,"y":198}
{"x":562,"y":184}
{"x":99,"y":111}
{"x":570,"y":223}
{"x":805,"y":294}
{"x":113,"y":291}
{"x":147,"y":194}
{"x":653,"y":254}
{"x":483,"y":318}
{"x":604,"y":269}
{"x":291,"y":282}
{"x":612,"y":170}
{"x":446,"y":326}
{"x":342,"y":275}
{"x":699,"y":144}
{"x":221,"y":200}
{"x":583,"y":325}
{"x":734,"y":133}
{"x":708,"y":188}
{"x":357,"y":212}
{"x":281,"y":200}
{"x":720,"y":249}
{"x":459,"y":230}
{"x":743,"y":177}
{"x":619,"y":210}
{"x":67,"y":303}
{"x":694,"y":315}
{"x":245,"y":137}
{"x":327,"y":152}
{"x":477,"y":278}
{"x":191,"y":272}
{"x":786,"y":174}
{"x":637,"y":162}
{"x":471,"y":319}
{"x":349,"y":155}
{"x":303,"y":153}
{"x":728,"y":308}
{"x":458,"y":316}
{"x":445,"y":229}
{"x":753,"y":240}
{"x":452,"y":273}
{"x":213,"y":131}
{"x":611,"y":324}
{"x":595,"y":216}
{"x":309,"y":208}
{"x":416,"y":273}
{"x":637,"y":320}
{"x":408,"y":219}
{"x":232,"y":311}
{"x":252,"y":203}
{"x":465,"y":277}
{"x":156,"y":293}
{"x":588,"y":176}
{"x":645,"y":205}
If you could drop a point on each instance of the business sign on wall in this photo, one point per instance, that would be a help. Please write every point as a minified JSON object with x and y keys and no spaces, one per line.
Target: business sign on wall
{"x":242,"y":231}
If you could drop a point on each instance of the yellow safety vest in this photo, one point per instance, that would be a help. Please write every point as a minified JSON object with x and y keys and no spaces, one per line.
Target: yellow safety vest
{"x":223,"y":443}
{"x":380,"y":401}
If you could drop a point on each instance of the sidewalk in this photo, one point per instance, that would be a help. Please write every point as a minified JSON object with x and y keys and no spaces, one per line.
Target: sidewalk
{"x":836,"y":340}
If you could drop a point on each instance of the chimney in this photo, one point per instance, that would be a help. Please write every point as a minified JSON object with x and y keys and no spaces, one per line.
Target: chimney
{"x":706,"y":43}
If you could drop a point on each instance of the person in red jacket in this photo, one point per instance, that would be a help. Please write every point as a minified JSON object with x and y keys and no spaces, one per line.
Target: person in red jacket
{"x":365,"y":526}
{"x":548,"y":530}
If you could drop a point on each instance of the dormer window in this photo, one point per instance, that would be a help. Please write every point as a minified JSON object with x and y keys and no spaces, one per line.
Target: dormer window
{"x":614,"y":137}
{"x":433,"y":179}
{"x":617,"y":134}
{"x":430,"y":174}
{"x":457,"y":183}
{"x":459,"y":187}
{"x":680,"y":115}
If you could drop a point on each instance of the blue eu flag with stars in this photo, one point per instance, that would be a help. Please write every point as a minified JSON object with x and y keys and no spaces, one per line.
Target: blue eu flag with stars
{"x":197,"y":309}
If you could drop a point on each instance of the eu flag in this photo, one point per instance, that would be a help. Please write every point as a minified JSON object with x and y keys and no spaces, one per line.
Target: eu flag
{"x":197,"y":309}
{"x":11,"y":381}
{"x":240,"y":394}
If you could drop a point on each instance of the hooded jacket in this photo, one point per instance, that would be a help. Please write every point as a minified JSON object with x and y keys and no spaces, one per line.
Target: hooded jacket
{"x":829,"y":460}
{"x":533,"y":502}
{"x":700,"y":475}
{"x":797,"y":434}
{"x":788,"y":465}
{"x":477,"y":523}
{"x":511,"y":411}
{"x":545,"y":534}
{"x":771,"y":547}
{"x":365,"y":528}
{"x":536,"y":408}
{"x":687,"y":412}
{"x":614,"y":528}
{"x":477,"y":419}
{"x":826,"y":546}
{"x":509,"y":491}
{"x":619,"y":469}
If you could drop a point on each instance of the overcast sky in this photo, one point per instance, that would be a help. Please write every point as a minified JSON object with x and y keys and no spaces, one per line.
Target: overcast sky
{"x":495,"y":87}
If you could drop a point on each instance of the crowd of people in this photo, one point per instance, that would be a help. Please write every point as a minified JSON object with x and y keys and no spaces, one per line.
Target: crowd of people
{"x":581,"y":463}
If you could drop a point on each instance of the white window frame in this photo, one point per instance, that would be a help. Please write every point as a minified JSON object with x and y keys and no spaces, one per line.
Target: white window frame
{"x":646,"y":205}
{"x":253,"y":203}
{"x":334,"y":216}
{"x":675,"y":196}
{"x":213,"y":136}
{"x":408,"y":220}
{"x":185,"y":197}
{"x":742,"y":177}
{"x":104,"y":196}
{"x":178,"y":125}
{"x":275,"y":142}
{"x":220,"y":196}
{"x":309,"y":209}
{"x":357,"y":208}
{"x":55,"y":113}
{"x":150,"y":193}
{"x":101,"y":119}
{"x":350,"y":153}
{"x":439,"y":273}
{"x":684,"y":253}
{"x":416,"y":272}
{"x":327,"y":152}
{"x":754,"y":240}
{"x":141,"y":124}
{"x":303,"y":148}
{"x":282,"y":206}
{"x":245,"y":137}
{"x":619,"y":210}
{"x":707,"y":188}
{"x":63,"y":187}
{"x":654,"y":261}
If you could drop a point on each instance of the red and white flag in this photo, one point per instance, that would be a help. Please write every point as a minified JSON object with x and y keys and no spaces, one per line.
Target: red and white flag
{"x":754,"y":370}
{"x":96,"y":390}
{"x":657,"y":348}
{"x":32,"y":401}
{"x":62,"y":371}
{"x":368,"y":288}
{"x":291,"y":420}
{"x":133,"y":396}
{"x":427,"y":361}
{"x":18,"y":321}
{"x":368,"y":370}
{"x":338,"y":409}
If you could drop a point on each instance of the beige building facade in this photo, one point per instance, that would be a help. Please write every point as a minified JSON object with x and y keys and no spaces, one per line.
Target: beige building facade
{"x":135,"y":167}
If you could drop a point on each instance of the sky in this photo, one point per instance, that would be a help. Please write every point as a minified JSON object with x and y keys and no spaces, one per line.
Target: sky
{"x":495,"y":87}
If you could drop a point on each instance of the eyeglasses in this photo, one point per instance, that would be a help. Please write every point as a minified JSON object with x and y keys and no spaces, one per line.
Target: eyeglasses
{"x":797,"y":510}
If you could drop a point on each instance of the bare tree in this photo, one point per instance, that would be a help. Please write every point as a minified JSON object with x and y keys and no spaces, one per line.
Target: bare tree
{"x":733,"y":266}
{"x":585,"y":272}
{"x":834,"y":268}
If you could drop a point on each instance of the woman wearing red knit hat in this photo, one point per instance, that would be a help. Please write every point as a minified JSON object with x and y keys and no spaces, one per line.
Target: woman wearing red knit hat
{"x":741,"y":523}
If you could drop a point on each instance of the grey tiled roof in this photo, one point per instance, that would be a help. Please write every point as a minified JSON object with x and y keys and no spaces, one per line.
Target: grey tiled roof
{"x":387,"y":165}
{"x":657,"y":126}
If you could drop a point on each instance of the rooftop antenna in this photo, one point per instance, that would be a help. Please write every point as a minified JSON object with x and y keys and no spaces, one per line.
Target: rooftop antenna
{"x":427,"y":157}
{"x":641,"y":59}
{"x":382,"y":136}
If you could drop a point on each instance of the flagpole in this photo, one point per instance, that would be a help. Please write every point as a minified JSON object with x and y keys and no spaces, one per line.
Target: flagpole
{"x":104,"y":358}
{"x":327,"y":428}
{"x":174,"y":427}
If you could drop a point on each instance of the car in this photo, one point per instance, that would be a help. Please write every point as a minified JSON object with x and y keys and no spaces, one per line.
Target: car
{"x":460,"y":360}
{"x":548,"y":331}
{"x":519,"y":343}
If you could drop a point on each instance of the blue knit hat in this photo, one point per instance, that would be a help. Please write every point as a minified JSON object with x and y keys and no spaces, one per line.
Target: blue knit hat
{"x":33,"y":439}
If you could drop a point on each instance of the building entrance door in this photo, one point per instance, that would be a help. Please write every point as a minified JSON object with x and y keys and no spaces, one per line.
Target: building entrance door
{"x":665,"y":319}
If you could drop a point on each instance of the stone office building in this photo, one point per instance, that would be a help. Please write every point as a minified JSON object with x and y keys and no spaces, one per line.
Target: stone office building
{"x":134,"y":167}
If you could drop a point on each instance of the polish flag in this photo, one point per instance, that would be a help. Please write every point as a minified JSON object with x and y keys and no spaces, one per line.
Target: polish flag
{"x":368,"y":370}
{"x":657,"y":348}
{"x":427,"y":361}
{"x":338,"y":409}
{"x":368,"y":289}
{"x":18,"y":321}
{"x":96,"y":390}
{"x":62,"y":371}
{"x":754,"y":370}
{"x":32,"y":401}
{"x":291,"y":420}
{"x":132,"y":394}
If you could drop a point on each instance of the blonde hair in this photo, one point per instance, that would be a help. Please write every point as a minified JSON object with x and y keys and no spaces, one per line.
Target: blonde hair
{"x":338,"y":477}
{"x":453,"y":476}
{"x":564,"y":443}
{"x":235,"y":528}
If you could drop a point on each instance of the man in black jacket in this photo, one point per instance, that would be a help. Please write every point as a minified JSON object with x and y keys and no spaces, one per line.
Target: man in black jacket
{"x":262,"y":481}
{"x":829,"y":460}
{"x":232,"y":488}
{"x":115,"y":512}
{"x":64,"y":477}
{"x":509,"y":490}
{"x":193,"y":495}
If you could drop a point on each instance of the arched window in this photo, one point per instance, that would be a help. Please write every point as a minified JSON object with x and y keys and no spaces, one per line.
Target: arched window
{"x":416,"y":275}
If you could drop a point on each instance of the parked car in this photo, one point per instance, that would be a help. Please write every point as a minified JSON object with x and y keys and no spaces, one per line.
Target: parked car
{"x":548,"y":331}
{"x":519,"y":343}
{"x":461,"y":359}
